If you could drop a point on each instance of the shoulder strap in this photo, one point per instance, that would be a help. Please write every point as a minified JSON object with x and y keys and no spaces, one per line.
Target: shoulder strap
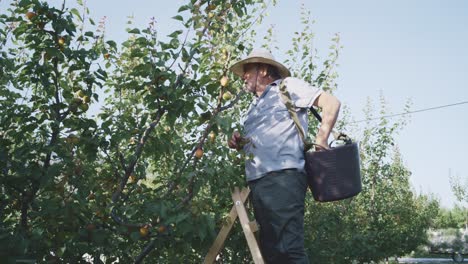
{"x":290,"y":106}
{"x":316,"y":114}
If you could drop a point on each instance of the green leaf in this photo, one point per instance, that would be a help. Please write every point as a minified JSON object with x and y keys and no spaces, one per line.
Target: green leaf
{"x":183,"y":8}
{"x":89,"y":34}
{"x":175,"y":33}
{"x":135,"y":236}
{"x":112,"y":44}
{"x":75,"y":12}
{"x":53,"y":52}
{"x":178,"y":17}
{"x":133,"y":31}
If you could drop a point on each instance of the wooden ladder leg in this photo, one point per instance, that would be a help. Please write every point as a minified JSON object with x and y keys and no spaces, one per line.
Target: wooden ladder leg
{"x":246,"y":226}
{"x":224,"y":232}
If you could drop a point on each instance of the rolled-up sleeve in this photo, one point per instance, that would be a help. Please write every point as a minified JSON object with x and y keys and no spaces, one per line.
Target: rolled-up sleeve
{"x":302,"y":93}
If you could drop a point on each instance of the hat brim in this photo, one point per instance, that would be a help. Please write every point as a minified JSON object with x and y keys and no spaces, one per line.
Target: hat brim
{"x":238,"y":67}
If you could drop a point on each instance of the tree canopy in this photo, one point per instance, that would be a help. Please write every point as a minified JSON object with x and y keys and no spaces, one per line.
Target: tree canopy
{"x":150,"y":176}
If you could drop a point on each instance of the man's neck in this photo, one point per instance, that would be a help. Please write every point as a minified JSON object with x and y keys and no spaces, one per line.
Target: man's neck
{"x":263,"y":83}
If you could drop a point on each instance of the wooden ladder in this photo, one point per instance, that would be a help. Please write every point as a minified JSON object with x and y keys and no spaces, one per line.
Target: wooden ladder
{"x":238,"y":210}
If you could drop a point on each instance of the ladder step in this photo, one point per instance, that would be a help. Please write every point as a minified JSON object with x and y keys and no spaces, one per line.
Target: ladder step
{"x":238,"y":210}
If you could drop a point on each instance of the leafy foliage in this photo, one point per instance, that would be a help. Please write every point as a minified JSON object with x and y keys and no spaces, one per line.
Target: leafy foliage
{"x":74,"y":184}
{"x":386,"y":219}
{"x":150,"y":176}
{"x":450,"y":218}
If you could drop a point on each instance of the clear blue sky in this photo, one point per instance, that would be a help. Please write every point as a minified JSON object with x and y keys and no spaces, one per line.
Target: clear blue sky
{"x":414,"y":50}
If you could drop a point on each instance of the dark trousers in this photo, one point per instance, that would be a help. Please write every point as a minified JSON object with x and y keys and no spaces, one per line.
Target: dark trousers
{"x":278,"y":201}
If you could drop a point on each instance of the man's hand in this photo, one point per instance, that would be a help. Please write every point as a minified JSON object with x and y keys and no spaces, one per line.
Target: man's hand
{"x":237,"y":141}
{"x":322,"y":144}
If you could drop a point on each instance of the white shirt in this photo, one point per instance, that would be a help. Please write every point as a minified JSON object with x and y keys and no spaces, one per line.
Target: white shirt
{"x":275,"y":143}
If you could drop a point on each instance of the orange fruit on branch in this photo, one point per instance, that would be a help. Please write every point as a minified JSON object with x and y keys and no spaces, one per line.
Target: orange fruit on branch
{"x":144,"y":231}
{"x":61,"y":41}
{"x":161,"y":229}
{"x":199,"y":153}
{"x":30,"y":15}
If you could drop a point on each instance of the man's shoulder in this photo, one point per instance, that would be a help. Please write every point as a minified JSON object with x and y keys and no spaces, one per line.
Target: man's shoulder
{"x":293,"y":81}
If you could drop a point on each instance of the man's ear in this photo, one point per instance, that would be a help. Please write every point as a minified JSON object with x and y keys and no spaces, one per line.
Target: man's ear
{"x":263,"y":70}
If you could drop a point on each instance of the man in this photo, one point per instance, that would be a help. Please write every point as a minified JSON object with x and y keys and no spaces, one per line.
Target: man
{"x":275,"y":171}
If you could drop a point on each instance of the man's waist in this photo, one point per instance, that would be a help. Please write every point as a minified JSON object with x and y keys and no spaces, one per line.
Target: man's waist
{"x":254,"y":172}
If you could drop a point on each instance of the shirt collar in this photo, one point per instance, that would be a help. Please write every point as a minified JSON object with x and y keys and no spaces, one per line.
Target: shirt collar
{"x":274,"y":83}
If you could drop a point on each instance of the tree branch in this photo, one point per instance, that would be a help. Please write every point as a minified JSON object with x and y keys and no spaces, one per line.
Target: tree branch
{"x":28,"y":196}
{"x":128,"y":170}
{"x":145,"y":252}
{"x":219,"y":109}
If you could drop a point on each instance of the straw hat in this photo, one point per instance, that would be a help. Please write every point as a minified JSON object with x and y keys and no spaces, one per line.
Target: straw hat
{"x":259,"y":56}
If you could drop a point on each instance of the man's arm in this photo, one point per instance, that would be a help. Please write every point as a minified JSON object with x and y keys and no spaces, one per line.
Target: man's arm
{"x":330,"y":108}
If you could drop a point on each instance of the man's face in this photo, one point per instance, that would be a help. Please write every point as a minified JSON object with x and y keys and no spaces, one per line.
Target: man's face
{"x":250,"y":77}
